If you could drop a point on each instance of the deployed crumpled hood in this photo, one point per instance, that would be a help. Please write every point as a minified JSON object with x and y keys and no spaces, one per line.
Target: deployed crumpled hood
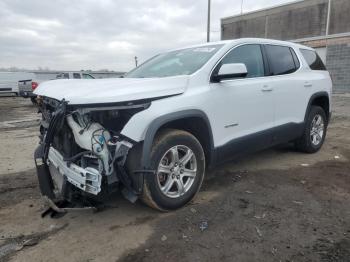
{"x":92,"y":91}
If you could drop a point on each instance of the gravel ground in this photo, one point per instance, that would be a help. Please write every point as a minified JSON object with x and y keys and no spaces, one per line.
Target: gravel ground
{"x":276,"y":205}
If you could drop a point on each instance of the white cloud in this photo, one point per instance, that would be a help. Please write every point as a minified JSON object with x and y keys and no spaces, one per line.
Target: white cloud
{"x":89,"y":34}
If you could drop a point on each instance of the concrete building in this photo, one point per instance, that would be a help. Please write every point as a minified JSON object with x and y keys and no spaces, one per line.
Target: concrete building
{"x":321,"y":24}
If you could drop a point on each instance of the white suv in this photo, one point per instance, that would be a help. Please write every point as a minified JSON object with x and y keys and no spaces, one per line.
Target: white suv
{"x":156,"y":131}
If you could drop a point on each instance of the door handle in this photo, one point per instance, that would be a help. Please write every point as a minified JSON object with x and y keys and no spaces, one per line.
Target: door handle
{"x":266,"y":88}
{"x":307,"y":84}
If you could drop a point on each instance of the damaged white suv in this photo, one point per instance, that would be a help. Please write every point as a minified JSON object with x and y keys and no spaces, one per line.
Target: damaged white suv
{"x":155,"y":132}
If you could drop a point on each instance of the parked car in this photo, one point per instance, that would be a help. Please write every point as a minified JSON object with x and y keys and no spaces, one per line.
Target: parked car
{"x":8,"y":87}
{"x":8,"y":81}
{"x":27,"y":86}
{"x":156,"y":131}
{"x":74,"y":75}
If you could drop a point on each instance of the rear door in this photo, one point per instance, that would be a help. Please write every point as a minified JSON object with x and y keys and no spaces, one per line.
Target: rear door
{"x":290,"y":91}
{"x":244,"y":105}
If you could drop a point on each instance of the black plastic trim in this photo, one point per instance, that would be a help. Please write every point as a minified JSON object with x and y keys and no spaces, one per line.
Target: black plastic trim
{"x":258,"y":141}
{"x":43,"y":173}
{"x":267,"y":71}
{"x":312,"y":98}
{"x":160,"y":121}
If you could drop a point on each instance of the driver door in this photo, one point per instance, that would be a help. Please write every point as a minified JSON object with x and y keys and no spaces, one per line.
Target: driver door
{"x":246,"y":107}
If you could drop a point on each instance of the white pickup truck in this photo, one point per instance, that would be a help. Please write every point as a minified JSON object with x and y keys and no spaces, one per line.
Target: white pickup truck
{"x":27,"y":86}
{"x":9,"y":81}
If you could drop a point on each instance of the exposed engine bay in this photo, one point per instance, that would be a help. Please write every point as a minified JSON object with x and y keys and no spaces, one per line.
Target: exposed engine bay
{"x":81,"y":148}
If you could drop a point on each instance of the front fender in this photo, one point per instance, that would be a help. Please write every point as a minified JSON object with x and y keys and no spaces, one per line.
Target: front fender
{"x":154,"y":125}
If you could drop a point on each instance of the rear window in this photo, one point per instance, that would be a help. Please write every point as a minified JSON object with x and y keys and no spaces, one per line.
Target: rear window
{"x":313,"y":60}
{"x":281,"y":60}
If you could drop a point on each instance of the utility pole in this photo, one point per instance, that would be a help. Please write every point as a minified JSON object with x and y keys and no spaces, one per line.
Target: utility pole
{"x":136,"y":61}
{"x":328,"y":16}
{"x":208,"y":23}
{"x":241,"y":7}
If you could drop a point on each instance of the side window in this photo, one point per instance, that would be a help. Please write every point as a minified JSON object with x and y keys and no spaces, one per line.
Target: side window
{"x":76,"y":75}
{"x":87,"y":76}
{"x":281,"y":60}
{"x":313,"y":60}
{"x":250,"y":55}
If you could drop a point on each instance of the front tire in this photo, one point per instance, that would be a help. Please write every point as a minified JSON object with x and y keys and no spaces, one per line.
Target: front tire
{"x":314,"y":132}
{"x":179,"y":161}
{"x":33,"y":99}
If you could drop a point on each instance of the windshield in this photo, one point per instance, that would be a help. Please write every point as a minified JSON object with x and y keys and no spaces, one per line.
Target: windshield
{"x":179,"y":62}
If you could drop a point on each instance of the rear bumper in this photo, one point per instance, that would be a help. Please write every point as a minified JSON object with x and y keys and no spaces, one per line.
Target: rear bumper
{"x":26,"y":94}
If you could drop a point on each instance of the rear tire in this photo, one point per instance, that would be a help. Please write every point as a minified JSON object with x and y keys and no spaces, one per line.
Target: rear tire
{"x":179,"y":162}
{"x":314,"y":131}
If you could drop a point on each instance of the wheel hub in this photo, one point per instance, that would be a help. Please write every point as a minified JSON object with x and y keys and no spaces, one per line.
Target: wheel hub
{"x":176,"y":171}
{"x":317,"y":130}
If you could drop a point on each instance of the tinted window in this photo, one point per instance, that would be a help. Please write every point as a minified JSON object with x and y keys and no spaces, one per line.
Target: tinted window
{"x":280,"y":60}
{"x":76,"y":75}
{"x":250,"y":55}
{"x":313,"y":60}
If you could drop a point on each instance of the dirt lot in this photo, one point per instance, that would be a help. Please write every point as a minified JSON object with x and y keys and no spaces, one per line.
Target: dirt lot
{"x":277,"y":205}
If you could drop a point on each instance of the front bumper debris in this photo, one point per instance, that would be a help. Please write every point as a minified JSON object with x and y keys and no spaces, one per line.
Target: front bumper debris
{"x":87,"y":179}
{"x":59,"y":209}
{"x":72,"y":178}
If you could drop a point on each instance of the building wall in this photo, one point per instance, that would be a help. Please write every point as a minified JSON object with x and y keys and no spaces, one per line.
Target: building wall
{"x":338,"y":57}
{"x":293,"y":21}
{"x":289,"y":22}
{"x":298,"y":23}
{"x":340,"y":17}
{"x":246,"y":28}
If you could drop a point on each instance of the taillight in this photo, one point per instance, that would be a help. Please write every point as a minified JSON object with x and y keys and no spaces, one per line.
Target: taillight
{"x":34,"y":85}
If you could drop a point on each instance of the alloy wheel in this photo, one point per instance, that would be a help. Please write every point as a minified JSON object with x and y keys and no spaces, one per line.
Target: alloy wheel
{"x":317,"y":130}
{"x":177,"y":170}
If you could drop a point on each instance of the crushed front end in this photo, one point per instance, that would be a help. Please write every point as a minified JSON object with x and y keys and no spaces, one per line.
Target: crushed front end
{"x":82,"y":154}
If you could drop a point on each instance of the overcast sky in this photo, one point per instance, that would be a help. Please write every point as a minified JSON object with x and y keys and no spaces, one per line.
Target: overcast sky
{"x":105,"y":34}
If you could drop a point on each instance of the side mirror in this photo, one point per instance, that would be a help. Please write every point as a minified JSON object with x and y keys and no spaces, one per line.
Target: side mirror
{"x":229,"y":71}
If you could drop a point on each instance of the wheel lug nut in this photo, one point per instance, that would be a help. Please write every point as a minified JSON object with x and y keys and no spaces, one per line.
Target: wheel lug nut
{"x":181,"y":171}
{"x":175,"y":164}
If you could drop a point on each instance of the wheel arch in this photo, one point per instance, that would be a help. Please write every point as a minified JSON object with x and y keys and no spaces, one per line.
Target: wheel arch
{"x":320,"y":99}
{"x":194,"y":121}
